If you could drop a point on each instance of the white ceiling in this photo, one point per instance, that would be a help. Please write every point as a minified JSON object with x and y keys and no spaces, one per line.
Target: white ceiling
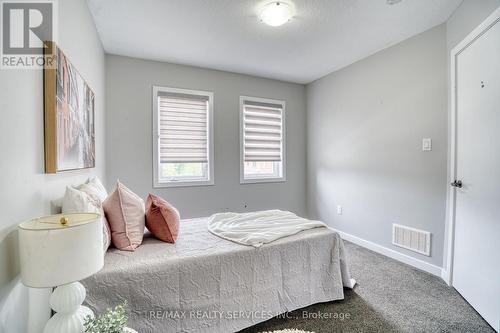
{"x":324,"y":36}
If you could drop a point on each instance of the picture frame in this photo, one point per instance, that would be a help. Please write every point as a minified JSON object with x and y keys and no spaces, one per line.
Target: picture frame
{"x":69,"y":110}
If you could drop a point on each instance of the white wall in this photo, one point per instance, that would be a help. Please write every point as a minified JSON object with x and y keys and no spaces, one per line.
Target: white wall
{"x":130,"y":144}
{"x":26,"y":191}
{"x":365,"y":128}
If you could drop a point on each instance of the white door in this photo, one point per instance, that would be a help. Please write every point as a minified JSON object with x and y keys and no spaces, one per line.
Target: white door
{"x":476,"y":265}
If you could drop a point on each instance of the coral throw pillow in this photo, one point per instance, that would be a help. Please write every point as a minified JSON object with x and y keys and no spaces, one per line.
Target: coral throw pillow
{"x":125,"y":213}
{"x":162,"y":219}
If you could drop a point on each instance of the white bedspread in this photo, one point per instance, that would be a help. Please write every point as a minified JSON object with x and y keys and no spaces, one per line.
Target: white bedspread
{"x":258,"y":228}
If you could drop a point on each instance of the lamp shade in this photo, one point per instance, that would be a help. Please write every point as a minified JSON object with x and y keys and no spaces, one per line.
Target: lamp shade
{"x":60,"y":249}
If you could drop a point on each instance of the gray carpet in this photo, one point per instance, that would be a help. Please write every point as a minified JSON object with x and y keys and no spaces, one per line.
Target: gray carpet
{"x":389,"y":297}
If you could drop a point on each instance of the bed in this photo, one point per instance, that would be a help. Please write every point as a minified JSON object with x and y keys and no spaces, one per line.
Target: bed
{"x":204,"y":283}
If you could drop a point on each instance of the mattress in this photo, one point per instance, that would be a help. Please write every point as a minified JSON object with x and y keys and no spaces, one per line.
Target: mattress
{"x":204,"y":283}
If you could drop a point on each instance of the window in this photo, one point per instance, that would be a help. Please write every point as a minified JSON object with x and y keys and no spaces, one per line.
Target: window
{"x":262,"y":137}
{"x":183,"y":138}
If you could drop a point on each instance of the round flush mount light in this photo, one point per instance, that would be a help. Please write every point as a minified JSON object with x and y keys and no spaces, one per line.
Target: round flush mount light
{"x":276,"y":13}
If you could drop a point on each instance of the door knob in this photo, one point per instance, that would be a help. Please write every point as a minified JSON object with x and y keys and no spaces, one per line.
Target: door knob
{"x":457,"y":183}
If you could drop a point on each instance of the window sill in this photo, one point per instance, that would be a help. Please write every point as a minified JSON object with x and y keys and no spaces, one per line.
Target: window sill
{"x":262,"y":180}
{"x":184,"y":183}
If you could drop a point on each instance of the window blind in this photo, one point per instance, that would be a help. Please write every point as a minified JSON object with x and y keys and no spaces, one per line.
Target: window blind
{"x":262,"y":132}
{"x":183,"y":128}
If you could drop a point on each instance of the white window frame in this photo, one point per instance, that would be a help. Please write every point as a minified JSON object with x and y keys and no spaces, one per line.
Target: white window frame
{"x":157,"y":182}
{"x":257,"y":179}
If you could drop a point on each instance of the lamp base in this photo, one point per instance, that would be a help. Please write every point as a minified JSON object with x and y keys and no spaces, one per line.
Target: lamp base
{"x":67,"y":301}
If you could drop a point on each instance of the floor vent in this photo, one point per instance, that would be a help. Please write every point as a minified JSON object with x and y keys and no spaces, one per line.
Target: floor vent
{"x":411,"y":239}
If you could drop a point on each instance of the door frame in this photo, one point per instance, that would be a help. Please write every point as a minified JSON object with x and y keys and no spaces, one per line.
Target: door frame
{"x":493,"y":19}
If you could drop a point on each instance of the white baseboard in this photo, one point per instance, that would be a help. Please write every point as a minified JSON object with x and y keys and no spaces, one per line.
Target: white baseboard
{"x":417,"y":263}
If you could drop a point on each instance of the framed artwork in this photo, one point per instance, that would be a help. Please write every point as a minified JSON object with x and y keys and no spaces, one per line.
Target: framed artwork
{"x":69,"y":116}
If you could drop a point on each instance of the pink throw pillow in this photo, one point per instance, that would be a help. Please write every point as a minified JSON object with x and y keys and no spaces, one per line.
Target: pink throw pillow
{"x":125,"y":213}
{"x":162,"y":219}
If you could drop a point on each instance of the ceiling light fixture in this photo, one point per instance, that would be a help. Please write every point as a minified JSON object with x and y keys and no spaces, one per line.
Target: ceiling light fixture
{"x":276,"y":13}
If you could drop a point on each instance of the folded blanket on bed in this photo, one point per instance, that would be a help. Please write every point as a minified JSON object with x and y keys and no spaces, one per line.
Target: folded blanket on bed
{"x":258,"y":228}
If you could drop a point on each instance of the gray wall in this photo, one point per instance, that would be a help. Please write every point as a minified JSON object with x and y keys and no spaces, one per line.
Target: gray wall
{"x":129,"y":136}
{"x":365,"y":128}
{"x":26,"y":191}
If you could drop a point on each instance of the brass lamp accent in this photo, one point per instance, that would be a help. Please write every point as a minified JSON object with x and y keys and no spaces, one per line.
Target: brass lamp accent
{"x":64,"y":220}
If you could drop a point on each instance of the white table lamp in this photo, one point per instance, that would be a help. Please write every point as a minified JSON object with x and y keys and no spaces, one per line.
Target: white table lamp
{"x":58,"y":251}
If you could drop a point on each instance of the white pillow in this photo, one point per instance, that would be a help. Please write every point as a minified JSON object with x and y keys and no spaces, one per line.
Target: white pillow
{"x":94,"y":188}
{"x":76,"y":201}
